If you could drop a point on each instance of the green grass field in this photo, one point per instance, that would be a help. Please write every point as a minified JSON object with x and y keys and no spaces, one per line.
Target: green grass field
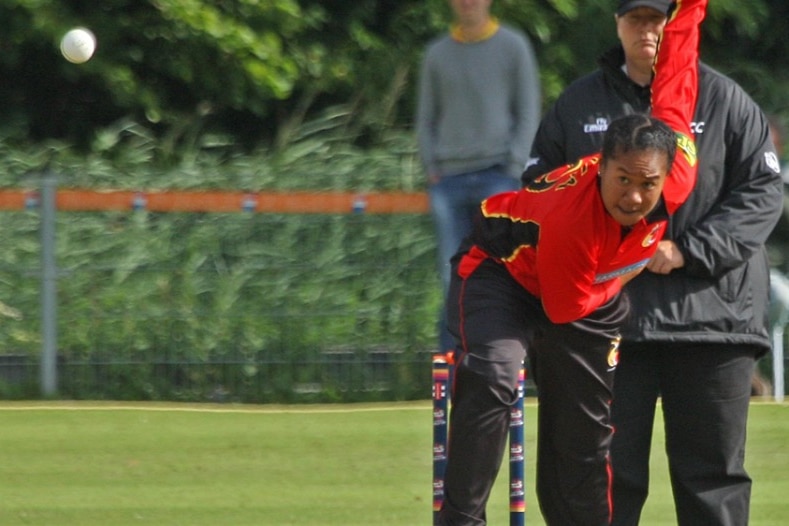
{"x":88,"y":464}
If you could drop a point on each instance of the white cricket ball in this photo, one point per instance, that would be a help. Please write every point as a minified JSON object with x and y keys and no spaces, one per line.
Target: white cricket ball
{"x":78,"y":45}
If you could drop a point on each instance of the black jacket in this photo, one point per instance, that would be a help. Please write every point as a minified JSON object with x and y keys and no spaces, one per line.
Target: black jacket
{"x":721,"y":295}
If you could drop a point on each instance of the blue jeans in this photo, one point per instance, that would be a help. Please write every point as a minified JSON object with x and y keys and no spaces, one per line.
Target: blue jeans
{"x":453,"y":202}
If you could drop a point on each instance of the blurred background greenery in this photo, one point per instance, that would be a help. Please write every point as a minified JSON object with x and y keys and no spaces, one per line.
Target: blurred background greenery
{"x":315,"y":95}
{"x":247,"y":74}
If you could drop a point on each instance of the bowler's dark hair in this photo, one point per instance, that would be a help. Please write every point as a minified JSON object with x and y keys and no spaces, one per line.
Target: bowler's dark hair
{"x":639,"y":132}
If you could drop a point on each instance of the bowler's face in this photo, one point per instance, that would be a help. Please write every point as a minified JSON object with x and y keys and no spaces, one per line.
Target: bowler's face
{"x":631,"y":184}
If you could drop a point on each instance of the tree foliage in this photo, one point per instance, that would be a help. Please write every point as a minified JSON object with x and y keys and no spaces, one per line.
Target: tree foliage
{"x":156,"y":305}
{"x":241,"y":73}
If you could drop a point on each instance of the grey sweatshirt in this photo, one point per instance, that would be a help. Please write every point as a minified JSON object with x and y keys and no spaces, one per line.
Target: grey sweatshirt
{"x":479,"y":103}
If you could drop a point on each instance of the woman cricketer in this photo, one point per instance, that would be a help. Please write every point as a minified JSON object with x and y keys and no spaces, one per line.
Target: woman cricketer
{"x":541,"y":276}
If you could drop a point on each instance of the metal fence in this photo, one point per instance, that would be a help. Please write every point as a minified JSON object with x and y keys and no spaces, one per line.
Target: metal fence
{"x":334,"y":376}
{"x":242,"y":305}
{"x":148,"y":298}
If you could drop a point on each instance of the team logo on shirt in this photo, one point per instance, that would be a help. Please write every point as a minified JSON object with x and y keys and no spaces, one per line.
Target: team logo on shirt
{"x":613,"y":353}
{"x":687,"y":146}
{"x":652,"y":237}
{"x":564,"y":177}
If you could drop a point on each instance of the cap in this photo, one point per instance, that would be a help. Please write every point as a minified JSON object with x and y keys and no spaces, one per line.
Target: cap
{"x":657,"y":5}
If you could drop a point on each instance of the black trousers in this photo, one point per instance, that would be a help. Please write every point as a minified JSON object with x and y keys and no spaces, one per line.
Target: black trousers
{"x":496,"y":323}
{"x":705,"y":391}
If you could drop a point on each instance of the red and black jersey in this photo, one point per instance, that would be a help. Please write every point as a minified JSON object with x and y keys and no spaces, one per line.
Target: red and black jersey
{"x":555,"y":236}
{"x":721,"y":228}
{"x":674,"y":94}
{"x":558,"y":241}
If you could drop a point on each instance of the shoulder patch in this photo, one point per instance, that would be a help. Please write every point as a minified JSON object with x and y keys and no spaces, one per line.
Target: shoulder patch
{"x":772,"y":161}
{"x":687,"y":147}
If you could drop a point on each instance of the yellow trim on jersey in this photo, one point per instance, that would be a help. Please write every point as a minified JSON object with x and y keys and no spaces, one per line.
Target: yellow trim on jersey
{"x":490,"y":29}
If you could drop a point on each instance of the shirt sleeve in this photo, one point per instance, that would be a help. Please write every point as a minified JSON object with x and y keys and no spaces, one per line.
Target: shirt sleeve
{"x":675,"y":91}
{"x":526,"y":106}
{"x":737,"y":224}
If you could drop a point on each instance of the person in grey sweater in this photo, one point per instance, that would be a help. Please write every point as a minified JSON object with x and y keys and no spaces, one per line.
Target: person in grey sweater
{"x":478,"y":111}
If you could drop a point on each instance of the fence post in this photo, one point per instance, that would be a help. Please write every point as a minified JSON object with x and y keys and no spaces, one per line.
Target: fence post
{"x":779,"y":317}
{"x":49,"y":379}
